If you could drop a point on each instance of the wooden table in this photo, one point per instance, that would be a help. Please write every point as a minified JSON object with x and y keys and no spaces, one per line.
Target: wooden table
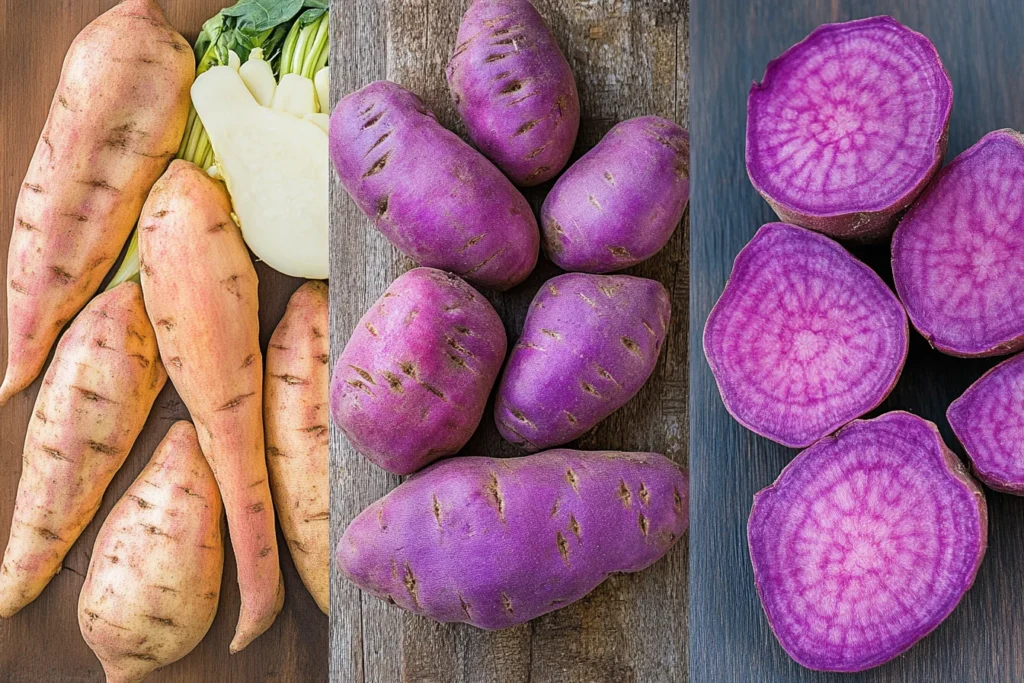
{"x":733,"y":40}
{"x":42,"y":642}
{"x":630,"y":58}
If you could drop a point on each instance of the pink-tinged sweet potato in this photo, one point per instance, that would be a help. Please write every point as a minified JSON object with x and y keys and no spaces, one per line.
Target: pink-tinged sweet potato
{"x":95,"y":398}
{"x":200,"y":289}
{"x":115,"y":122}
{"x":154,"y":577}
{"x":425,"y":357}
{"x":848,"y":126}
{"x":866,"y":542}
{"x":295,"y":418}
{"x":514,"y":90}
{"x":958,"y":254}
{"x":989,"y":421}
{"x":620,"y":203}
{"x":496,"y":542}
{"x":588,"y":345}
{"x":804,"y":338}
{"x":438,"y":200}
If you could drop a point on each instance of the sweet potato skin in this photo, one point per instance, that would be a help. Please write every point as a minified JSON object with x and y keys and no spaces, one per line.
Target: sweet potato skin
{"x":620,"y":203}
{"x":112,"y":128}
{"x":514,"y":90}
{"x":295,"y":418}
{"x":495,"y":542}
{"x":425,"y":356}
{"x":200,"y":290}
{"x":153,"y":584}
{"x":434,"y":197}
{"x":94,"y":401}
{"x":588,"y":345}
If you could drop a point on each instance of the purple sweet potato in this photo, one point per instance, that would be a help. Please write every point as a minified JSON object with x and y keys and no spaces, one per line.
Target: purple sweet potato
{"x":848,"y":126}
{"x":620,"y":203}
{"x":496,"y":542}
{"x":866,"y":542}
{"x":514,"y":90}
{"x":958,"y":254}
{"x":412,"y":383}
{"x":588,"y":345}
{"x":804,"y":338}
{"x":433,"y":196}
{"x":989,"y":421}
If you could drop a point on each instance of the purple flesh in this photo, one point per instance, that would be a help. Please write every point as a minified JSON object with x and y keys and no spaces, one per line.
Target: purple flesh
{"x":989,"y":421}
{"x":958,"y":254}
{"x":496,"y":542}
{"x":514,"y":90}
{"x":432,"y":195}
{"x":848,"y":126}
{"x":804,"y":338}
{"x":412,"y":383}
{"x":620,"y":203}
{"x":588,"y":345}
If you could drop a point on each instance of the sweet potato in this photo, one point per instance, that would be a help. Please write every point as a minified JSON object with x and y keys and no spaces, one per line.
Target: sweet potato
{"x":433,"y":196}
{"x":295,"y":419}
{"x":425,"y":357}
{"x":115,"y":122}
{"x":514,"y":90}
{"x":200,"y":289}
{"x":154,"y":577}
{"x":496,"y":542}
{"x":95,"y":398}
{"x":588,"y":345}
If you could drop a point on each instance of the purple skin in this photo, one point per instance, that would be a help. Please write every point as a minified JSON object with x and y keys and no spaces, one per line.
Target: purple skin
{"x":958,"y":254}
{"x":433,"y":196}
{"x":989,"y":421}
{"x":804,"y":338}
{"x":412,"y":383}
{"x":514,"y":90}
{"x":496,"y":542}
{"x":870,"y":537}
{"x":588,"y":345}
{"x":848,"y":126}
{"x":620,"y":203}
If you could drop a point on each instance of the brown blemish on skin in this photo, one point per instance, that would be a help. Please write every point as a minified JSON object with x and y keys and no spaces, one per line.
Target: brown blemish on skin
{"x":493,"y":491}
{"x":465,"y":606}
{"x":472,"y":242}
{"x":90,"y":395}
{"x":249,"y":360}
{"x":495,"y":57}
{"x":536,"y":172}
{"x":105,"y":449}
{"x":141,"y":502}
{"x":25,"y":225}
{"x":265,"y":551}
{"x":47,"y":534}
{"x":372,"y":120}
{"x":18,"y":287}
{"x":55,"y":453}
{"x":587,"y":299}
{"x":316,"y":430}
{"x":176,"y":362}
{"x":677,"y":501}
{"x":605,"y":375}
{"x":155,"y":531}
{"x":609,"y":177}
{"x":650,"y":329}
{"x":291,"y":380}
{"x":534,"y":153}
{"x":218,"y":227}
{"x":550,"y":333}
{"x":62,"y":276}
{"x":394,"y":381}
{"x":563,"y":547}
{"x":525,"y":128}
{"x":511,"y":87}
{"x":577,"y":530}
{"x":360,"y":385}
{"x":590,"y":389}
{"x":236,"y":401}
{"x":620,"y":252}
{"x":382,"y":206}
{"x":38,"y":189}
{"x":632,"y":347}
{"x":437,"y":512}
{"x":380,"y":140}
{"x":644,"y":525}
{"x":410,"y":585}
{"x":143,"y":361}
{"x":255,"y":508}
{"x":624,"y":494}
{"x":645,"y":494}
{"x":101,"y":185}
{"x":573,"y":480}
{"x":371,"y":329}
{"x":507,"y":603}
{"x":166,"y":323}
{"x":377,"y":166}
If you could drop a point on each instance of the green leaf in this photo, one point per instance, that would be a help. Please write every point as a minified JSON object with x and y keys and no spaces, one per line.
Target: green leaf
{"x":262,"y":15}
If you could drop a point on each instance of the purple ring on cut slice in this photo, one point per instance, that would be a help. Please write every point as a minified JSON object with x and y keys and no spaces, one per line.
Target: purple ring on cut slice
{"x":866,"y":542}
{"x":958,"y":254}
{"x":989,"y":421}
{"x":848,"y":126}
{"x":804,"y":338}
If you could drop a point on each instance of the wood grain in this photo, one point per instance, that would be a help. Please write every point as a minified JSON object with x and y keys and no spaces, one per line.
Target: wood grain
{"x":42,"y":642}
{"x":733,"y":40}
{"x":629,"y":58}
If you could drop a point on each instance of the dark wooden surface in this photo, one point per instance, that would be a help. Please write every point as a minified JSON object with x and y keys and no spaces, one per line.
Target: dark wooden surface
{"x":732,"y":42}
{"x":629,"y":59}
{"x":42,"y":642}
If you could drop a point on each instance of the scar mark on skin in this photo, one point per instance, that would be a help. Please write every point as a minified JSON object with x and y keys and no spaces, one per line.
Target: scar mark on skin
{"x":235,"y":402}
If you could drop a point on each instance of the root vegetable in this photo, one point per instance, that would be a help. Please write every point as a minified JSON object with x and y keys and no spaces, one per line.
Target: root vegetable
{"x":496,"y":542}
{"x":848,"y":126}
{"x":866,"y":542}
{"x":200,"y":290}
{"x":115,"y":122}
{"x":95,"y":399}
{"x":804,"y":338}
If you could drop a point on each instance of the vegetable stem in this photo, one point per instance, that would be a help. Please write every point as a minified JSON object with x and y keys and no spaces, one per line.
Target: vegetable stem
{"x":312,"y":57}
{"x":129,"y":269}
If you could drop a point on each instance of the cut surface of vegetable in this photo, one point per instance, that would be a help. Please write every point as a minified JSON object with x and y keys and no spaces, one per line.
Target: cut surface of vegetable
{"x":804,"y":338}
{"x":958,"y":254}
{"x":866,"y":542}
{"x":848,"y":126}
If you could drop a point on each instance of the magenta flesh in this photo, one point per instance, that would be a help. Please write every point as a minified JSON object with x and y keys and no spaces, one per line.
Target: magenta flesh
{"x":866,"y":542}
{"x":958,"y":254}
{"x":848,"y":126}
{"x":989,"y":421}
{"x":495,"y":542}
{"x":804,"y":338}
